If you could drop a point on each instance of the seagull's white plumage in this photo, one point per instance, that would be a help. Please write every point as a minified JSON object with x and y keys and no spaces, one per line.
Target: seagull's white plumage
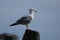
{"x":25,"y":20}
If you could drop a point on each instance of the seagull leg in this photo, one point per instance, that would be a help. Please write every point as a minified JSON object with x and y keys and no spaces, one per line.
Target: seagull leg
{"x":27,"y":26}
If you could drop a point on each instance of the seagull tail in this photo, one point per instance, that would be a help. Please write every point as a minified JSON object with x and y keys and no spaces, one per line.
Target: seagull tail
{"x":13,"y":24}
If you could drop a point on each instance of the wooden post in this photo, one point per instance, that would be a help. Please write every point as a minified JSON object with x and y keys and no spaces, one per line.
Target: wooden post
{"x":6,"y":36}
{"x":31,"y":35}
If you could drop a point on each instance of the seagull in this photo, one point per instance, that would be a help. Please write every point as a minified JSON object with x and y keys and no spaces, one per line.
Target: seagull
{"x":25,"y":20}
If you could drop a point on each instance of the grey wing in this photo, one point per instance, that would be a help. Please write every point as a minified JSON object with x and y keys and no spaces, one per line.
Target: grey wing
{"x":24,"y":20}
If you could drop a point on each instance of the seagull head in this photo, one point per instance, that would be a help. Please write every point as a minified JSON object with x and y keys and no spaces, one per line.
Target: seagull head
{"x":32,"y":10}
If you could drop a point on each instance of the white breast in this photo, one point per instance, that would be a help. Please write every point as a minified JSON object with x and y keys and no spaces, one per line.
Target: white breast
{"x":32,"y":15}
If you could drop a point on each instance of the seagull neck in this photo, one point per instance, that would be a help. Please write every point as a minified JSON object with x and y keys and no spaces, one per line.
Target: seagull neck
{"x":32,"y":14}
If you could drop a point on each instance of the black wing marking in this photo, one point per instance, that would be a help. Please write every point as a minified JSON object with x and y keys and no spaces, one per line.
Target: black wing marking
{"x":24,"y":20}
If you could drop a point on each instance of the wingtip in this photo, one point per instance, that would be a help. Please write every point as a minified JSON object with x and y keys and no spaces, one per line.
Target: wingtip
{"x":13,"y":24}
{"x":10,"y":25}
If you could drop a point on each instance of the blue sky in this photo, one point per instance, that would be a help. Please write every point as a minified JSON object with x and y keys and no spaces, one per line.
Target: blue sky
{"x":47,"y":19}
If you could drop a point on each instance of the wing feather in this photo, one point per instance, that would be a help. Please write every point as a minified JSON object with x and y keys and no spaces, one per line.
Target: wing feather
{"x":24,"y":20}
